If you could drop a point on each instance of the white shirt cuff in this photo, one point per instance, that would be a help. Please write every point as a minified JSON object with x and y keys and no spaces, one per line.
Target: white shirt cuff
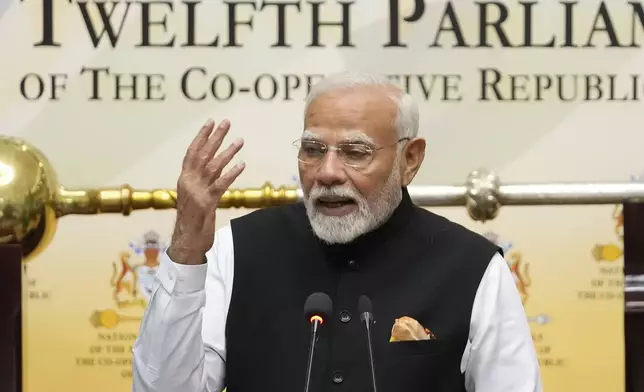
{"x":179,"y":278}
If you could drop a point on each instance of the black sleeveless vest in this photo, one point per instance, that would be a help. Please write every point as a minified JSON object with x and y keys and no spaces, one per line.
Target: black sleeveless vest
{"x":417,"y":264}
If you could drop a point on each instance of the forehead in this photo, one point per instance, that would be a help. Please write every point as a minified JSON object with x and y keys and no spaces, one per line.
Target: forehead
{"x":342,"y":113}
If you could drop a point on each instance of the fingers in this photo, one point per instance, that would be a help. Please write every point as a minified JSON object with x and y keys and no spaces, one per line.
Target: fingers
{"x":221,"y":184}
{"x":217,"y":164}
{"x":198,"y":143}
{"x":214,"y":142}
{"x":200,"y":158}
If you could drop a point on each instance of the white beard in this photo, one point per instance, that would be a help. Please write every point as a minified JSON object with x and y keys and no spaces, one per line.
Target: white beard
{"x":371,"y":212}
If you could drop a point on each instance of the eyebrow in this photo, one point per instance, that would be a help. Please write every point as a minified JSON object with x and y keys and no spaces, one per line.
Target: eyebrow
{"x":308,"y":135}
{"x":358,"y":137}
{"x":355,"y":137}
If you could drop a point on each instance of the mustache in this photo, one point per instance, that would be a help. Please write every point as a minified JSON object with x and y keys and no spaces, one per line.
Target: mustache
{"x":319,"y":192}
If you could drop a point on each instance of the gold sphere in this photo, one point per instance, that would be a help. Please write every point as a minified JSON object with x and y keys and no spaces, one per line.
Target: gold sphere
{"x":28,"y":187}
{"x":32,"y":201}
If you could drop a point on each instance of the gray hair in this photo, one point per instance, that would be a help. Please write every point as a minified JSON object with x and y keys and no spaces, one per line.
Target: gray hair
{"x":407,"y":118}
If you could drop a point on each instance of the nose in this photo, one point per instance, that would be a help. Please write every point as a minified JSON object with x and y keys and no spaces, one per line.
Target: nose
{"x":331,"y":171}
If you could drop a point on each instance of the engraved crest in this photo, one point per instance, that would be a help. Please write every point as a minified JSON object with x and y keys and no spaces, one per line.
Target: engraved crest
{"x":613,"y":251}
{"x":518,"y":266}
{"x":132,"y":283}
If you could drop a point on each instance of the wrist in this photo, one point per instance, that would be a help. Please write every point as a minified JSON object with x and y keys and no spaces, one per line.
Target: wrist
{"x":182,"y":255}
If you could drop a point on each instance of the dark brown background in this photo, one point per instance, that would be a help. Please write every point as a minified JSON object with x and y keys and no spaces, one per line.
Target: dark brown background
{"x":634,"y":322}
{"x":10,"y":318}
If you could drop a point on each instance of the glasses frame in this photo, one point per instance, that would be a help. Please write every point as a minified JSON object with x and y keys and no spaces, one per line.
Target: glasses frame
{"x":374,"y":150}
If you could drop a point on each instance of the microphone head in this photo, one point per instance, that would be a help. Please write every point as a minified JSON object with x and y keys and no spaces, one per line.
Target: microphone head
{"x":364,"y":305}
{"x":318,"y":305}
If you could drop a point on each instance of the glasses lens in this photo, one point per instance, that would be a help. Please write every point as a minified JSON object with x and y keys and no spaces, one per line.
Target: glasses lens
{"x":352,"y":154}
{"x":310,"y":151}
{"x":356,"y":155}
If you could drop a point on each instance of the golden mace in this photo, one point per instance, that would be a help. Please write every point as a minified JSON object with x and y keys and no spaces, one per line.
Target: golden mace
{"x":32,"y":200}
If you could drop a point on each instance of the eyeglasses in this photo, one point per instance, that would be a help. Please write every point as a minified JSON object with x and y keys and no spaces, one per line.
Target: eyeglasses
{"x":356,"y":155}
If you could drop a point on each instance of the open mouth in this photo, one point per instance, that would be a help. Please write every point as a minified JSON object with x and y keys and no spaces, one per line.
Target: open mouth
{"x":335,"y":202}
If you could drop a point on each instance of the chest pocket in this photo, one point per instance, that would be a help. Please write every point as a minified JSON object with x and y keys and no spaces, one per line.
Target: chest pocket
{"x":422,"y":365}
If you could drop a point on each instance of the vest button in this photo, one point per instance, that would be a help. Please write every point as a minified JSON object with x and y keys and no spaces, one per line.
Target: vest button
{"x":345,"y":316}
{"x":352,"y":264}
{"x":338,"y":377}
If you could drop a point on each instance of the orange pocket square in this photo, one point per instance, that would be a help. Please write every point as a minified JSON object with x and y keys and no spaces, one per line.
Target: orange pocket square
{"x":407,"y":329}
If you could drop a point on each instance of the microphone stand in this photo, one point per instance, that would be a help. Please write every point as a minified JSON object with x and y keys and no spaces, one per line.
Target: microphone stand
{"x":314,"y":333}
{"x":368,"y":319}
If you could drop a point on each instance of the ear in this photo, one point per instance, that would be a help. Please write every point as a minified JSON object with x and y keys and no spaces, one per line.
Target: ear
{"x":413,"y":155}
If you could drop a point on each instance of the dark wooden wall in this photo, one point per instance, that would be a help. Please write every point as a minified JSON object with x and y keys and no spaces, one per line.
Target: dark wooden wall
{"x":634,"y":321}
{"x":10,"y":318}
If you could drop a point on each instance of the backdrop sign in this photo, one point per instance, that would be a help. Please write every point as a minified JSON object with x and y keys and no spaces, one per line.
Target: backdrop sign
{"x":114,"y":91}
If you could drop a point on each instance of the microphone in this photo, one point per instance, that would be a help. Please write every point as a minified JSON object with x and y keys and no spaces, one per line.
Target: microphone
{"x":317,"y":309}
{"x":366,"y":315}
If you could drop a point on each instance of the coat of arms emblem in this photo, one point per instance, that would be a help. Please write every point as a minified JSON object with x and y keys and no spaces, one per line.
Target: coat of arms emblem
{"x":516,"y":262}
{"x":520,"y":271}
{"x":611,"y":252}
{"x":131,"y":281}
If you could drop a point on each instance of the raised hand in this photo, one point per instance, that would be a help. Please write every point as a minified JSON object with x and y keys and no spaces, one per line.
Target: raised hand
{"x":200,"y":186}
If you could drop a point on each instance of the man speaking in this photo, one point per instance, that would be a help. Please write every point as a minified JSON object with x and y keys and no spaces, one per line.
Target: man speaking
{"x":228,"y":307}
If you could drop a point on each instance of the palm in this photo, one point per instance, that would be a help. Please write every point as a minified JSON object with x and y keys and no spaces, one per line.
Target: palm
{"x":200,"y":187}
